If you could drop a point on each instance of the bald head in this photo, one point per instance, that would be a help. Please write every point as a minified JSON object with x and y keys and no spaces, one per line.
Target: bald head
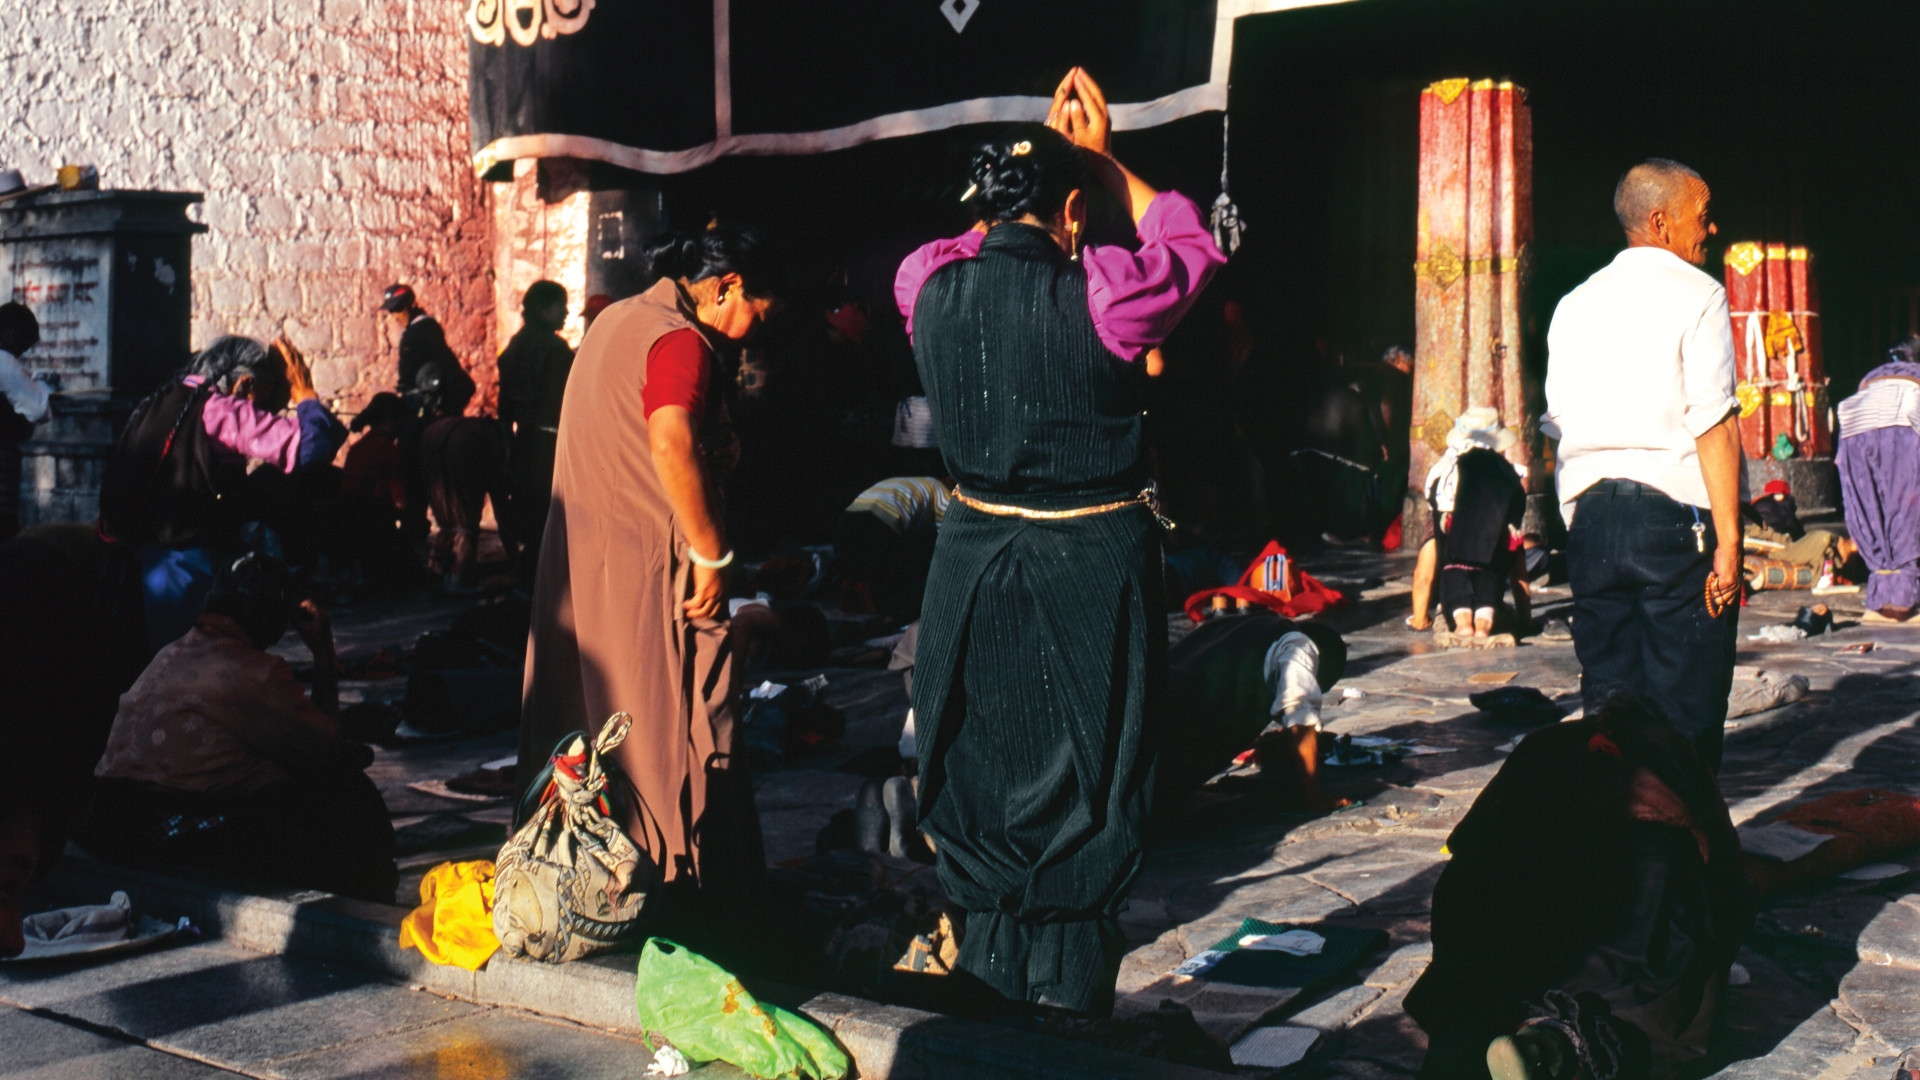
{"x":1663,"y":204}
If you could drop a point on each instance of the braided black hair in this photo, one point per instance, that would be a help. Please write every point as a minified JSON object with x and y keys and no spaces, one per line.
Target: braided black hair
{"x":224,"y":362}
{"x":711,"y":252}
{"x":1026,"y":169}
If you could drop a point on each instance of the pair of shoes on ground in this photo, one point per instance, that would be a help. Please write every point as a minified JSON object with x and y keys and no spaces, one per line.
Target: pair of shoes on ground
{"x":1888,"y":615}
{"x":885,"y":820}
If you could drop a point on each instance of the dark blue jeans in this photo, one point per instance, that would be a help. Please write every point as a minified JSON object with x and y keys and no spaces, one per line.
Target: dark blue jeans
{"x":1640,"y":622}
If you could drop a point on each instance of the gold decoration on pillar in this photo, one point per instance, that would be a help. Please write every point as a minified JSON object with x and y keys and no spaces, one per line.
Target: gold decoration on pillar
{"x":1783,"y":338}
{"x":1750,"y":398}
{"x":1435,"y":431}
{"x":1448,"y":90}
{"x":1442,"y":265}
{"x":1744,"y":257}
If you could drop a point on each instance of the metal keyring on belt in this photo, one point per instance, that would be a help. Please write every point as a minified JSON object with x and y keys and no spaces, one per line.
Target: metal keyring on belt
{"x":1149,"y":497}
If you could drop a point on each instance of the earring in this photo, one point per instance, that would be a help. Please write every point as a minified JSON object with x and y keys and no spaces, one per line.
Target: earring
{"x":1073,"y":239}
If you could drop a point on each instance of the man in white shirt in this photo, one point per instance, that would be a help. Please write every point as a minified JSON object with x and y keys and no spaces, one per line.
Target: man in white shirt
{"x":1640,"y":379}
{"x":25,"y":406}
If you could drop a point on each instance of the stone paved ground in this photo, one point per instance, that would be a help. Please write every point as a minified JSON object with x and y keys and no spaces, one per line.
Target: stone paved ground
{"x":1835,"y":988}
{"x":1835,"y":970}
{"x":210,"y":1010}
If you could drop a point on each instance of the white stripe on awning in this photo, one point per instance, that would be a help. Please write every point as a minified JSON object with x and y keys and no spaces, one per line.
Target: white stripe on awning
{"x":1210,"y":96}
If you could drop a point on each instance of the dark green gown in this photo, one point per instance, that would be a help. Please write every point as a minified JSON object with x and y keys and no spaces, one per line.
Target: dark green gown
{"x":1042,"y":662}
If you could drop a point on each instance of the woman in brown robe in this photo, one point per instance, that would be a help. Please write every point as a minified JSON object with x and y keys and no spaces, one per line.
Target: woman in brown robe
{"x":628,"y":612}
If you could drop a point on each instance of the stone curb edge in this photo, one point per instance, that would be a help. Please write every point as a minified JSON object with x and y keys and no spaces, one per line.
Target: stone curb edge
{"x":886,"y":1042}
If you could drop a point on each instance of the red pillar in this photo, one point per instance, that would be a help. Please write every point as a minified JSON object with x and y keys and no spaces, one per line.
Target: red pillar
{"x":1782,"y":379}
{"x":1473,"y":246}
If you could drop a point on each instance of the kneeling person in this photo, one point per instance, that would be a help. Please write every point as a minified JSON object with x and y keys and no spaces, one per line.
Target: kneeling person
{"x":218,"y":760}
{"x":885,"y":539}
{"x":1593,"y":905}
{"x":1477,"y":501}
{"x":1248,"y":680}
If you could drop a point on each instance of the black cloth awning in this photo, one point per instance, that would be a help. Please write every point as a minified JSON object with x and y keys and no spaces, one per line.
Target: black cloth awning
{"x":664,"y":87}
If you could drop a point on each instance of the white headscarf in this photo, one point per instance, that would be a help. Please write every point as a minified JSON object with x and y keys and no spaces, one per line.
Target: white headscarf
{"x":1478,"y":428}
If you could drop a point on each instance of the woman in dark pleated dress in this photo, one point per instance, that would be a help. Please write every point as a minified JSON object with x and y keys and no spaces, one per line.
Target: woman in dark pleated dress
{"x":1042,"y":658}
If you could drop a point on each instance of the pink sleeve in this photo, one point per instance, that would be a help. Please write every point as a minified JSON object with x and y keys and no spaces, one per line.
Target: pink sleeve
{"x":920,"y":266}
{"x":236,"y":424}
{"x":1137,"y":297}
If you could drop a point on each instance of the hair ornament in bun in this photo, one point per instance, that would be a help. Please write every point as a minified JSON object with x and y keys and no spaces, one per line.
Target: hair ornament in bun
{"x":972,"y":190}
{"x":1022,"y":148}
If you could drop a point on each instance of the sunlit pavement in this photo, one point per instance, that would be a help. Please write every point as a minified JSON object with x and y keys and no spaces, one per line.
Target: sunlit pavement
{"x":1834,"y":970}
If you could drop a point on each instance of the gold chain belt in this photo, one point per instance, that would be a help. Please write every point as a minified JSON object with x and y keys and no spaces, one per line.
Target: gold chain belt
{"x":1149,"y":497}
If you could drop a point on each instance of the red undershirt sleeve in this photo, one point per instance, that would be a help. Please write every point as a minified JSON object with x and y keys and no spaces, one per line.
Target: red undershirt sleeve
{"x":678,"y":367}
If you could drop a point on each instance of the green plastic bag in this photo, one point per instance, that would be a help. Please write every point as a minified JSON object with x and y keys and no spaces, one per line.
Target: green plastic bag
{"x":705,"y":1012}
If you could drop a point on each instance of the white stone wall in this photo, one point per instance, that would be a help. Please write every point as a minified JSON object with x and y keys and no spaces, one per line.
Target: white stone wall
{"x":330,"y":138}
{"x":537,"y":240}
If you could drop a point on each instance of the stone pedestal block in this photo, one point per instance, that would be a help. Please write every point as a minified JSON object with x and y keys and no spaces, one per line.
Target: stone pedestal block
{"x":108,"y":274}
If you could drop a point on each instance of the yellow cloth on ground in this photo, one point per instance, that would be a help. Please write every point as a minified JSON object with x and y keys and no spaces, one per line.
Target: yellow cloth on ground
{"x":454,"y":922}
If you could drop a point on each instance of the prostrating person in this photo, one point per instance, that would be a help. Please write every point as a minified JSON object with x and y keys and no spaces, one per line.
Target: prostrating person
{"x":1476,"y":502}
{"x":177,"y":490}
{"x":1778,"y":546}
{"x":533,"y":382}
{"x":23,"y":404}
{"x":463,"y":463}
{"x":1039,"y":683}
{"x":359,"y":529}
{"x":1640,"y":395}
{"x":423,"y":341}
{"x":885,"y":540}
{"x":219,"y":760}
{"x":1879,"y":459}
{"x":1593,"y":904}
{"x":1252,"y":680}
{"x":628,"y":602}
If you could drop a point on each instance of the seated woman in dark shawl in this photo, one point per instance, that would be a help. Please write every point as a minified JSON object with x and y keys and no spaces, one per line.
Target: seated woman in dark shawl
{"x":1042,"y":662}
{"x":1593,"y":905}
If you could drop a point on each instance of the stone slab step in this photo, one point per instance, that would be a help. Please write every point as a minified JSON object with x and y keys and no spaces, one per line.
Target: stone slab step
{"x":886,"y":1042}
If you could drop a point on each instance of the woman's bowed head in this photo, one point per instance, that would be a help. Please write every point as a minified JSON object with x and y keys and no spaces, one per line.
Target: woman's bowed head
{"x":272,"y":376}
{"x":1036,"y":174}
{"x":732,"y":275}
